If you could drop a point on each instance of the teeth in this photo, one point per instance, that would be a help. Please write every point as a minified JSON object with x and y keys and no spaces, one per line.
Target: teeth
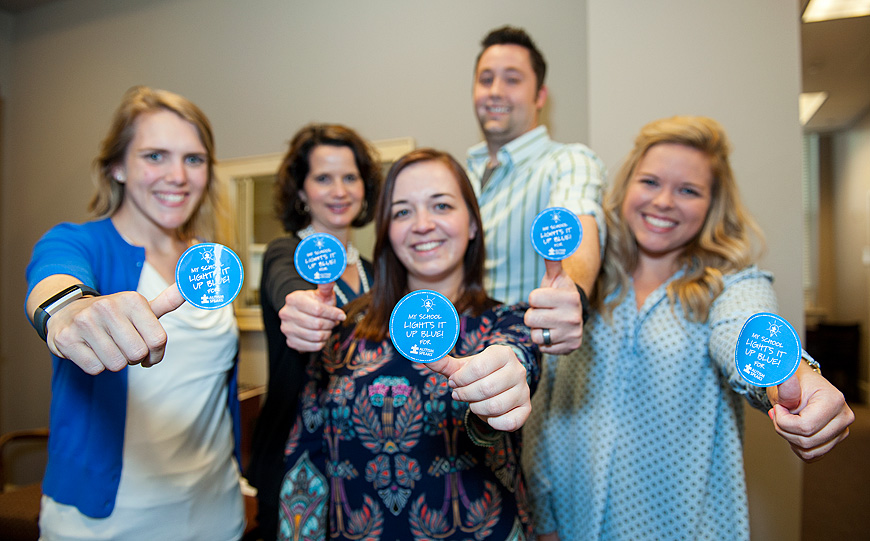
{"x":426,"y":246}
{"x":501,"y":109}
{"x":171,"y":198}
{"x":658,"y":222}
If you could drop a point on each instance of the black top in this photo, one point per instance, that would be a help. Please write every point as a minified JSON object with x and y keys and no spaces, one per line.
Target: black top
{"x":286,"y":374}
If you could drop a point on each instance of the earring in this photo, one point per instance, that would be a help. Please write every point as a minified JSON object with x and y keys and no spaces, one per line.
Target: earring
{"x":304,"y":208}
{"x":120,"y":176}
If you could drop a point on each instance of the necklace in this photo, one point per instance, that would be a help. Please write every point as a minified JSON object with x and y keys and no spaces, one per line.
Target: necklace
{"x":352,"y":259}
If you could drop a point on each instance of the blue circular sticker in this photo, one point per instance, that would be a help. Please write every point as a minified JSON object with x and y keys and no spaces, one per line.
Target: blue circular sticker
{"x":209,"y":275}
{"x":768,"y":350}
{"x":424,"y":326}
{"x":320,"y":258}
{"x":556,"y":233}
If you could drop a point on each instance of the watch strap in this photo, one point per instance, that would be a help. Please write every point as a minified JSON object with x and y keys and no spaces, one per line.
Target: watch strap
{"x":814,"y":364}
{"x":584,"y":304}
{"x":56,"y":302}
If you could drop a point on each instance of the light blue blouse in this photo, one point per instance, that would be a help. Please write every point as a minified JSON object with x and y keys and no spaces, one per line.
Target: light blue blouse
{"x":639,"y":433}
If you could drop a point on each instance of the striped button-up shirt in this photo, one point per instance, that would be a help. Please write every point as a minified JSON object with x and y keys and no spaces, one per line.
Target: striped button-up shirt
{"x":534,"y":173}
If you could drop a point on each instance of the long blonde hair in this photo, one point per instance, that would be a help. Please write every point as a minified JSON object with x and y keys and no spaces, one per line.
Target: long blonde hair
{"x":728,"y":241}
{"x":211,"y":219}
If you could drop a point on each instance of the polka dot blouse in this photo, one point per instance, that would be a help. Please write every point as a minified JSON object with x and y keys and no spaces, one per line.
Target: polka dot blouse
{"x":638,"y":434}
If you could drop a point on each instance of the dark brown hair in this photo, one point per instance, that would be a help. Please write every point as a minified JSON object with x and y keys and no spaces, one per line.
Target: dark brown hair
{"x":295,"y":167}
{"x":391,"y":277}
{"x":511,"y":35}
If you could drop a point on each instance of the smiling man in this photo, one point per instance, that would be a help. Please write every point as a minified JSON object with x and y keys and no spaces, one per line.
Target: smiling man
{"x":517,"y":172}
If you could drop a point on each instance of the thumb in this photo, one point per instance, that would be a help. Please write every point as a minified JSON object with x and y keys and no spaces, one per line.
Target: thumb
{"x":168,"y":300}
{"x":326,"y":293}
{"x":446,"y":366}
{"x":554,"y":270}
{"x":788,"y":393}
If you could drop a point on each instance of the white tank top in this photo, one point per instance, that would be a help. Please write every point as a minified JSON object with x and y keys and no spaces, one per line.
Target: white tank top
{"x":179,"y":478}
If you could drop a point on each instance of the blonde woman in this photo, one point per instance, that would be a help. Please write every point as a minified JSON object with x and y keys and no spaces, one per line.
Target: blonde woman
{"x":136,"y":452}
{"x":640,"y":436}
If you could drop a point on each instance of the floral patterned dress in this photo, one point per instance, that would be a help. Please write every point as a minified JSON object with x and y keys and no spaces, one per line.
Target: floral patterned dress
{"x":380,"y":450}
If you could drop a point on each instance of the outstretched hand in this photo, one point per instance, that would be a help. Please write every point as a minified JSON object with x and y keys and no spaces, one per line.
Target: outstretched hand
{"x":308,"y":317}
{"x":112,"y":331}
{"x":556,"y":306}
{"x":494,"y":384}
{"x":810,"y":413}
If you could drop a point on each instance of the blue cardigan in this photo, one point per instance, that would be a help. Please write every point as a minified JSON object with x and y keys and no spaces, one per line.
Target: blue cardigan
{"x":88,"y":413}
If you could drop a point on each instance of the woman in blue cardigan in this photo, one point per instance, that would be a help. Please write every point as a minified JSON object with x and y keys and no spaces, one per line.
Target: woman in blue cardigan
{"x":139,"y":450}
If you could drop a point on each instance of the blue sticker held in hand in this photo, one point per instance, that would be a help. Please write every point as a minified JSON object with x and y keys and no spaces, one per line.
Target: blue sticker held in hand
{"x":209,"y":275}
{"x":320,"y":258}
{"x":556,"y":233}
{"x":768,"y":350}
{"x":424,"y":326}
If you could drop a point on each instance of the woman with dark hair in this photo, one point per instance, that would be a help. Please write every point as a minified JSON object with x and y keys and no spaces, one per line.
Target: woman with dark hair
{"x":640,"y":435}
{"x":327,"y":183}
{"x":386,"y":448}
{"x":139,"y":450}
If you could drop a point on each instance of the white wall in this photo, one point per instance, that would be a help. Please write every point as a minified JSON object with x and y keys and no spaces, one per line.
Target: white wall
{"x":850,"y":163}
{"x":260,"y":70}
{"x":6,"y":25}
{"x":738,"y":62}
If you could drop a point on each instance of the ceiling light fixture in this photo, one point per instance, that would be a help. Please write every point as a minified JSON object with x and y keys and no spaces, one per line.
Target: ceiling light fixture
{"x":826,"y":10}
{"x":809,"y":103}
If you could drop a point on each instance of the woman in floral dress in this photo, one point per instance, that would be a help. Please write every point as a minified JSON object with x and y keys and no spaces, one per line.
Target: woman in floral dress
{"x":386,"y":448}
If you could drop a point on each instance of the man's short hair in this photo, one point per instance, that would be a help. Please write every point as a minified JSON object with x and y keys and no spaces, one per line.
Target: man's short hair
{"x":511,"y":35}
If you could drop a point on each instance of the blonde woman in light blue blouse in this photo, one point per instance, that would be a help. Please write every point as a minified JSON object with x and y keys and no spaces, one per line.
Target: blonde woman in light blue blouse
{"x":638,"y":435}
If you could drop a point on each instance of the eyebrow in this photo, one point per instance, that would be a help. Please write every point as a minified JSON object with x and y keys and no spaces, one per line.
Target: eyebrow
{"x":144,"y":150}
{"x":512,"y":69}
{"x":433,"y":196}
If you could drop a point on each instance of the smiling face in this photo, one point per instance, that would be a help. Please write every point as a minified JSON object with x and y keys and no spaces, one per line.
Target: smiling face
{"x":506,"y":98}
{"x":333,"y":189}
{"x":667,"y":200}
{"x":430,"y":226}
{"x":164,"y":172}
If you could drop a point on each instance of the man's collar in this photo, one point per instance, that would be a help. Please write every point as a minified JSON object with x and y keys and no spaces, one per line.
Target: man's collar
{"x":515,"y":150}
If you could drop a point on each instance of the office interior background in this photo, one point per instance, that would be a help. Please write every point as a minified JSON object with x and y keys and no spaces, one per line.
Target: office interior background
{"x":395,"y":69}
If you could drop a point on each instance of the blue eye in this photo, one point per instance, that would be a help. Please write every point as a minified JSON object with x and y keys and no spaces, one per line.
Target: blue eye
{"x":195,"y":159}
{"x":442,"y":206}
{"x":154,"y":156}
{"x":400,"y":213}
{"x":350,"y":179}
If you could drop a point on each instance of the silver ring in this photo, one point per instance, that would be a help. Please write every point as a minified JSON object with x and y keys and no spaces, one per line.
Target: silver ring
{"x":547,"y":341}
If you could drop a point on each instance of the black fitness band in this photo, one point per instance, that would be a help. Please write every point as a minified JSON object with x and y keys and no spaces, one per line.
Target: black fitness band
{"x":55,"y":303}
{"x":584,"y":303}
